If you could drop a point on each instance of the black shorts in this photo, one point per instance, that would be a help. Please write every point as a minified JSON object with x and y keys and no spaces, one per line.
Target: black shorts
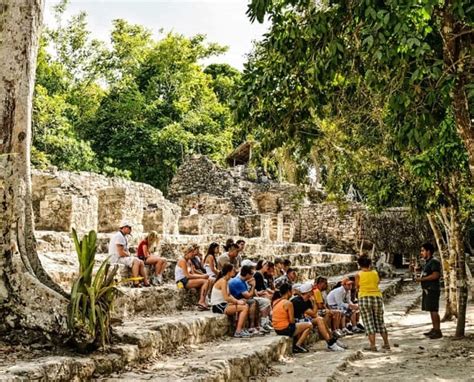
{"x":184,"y":281}
{"x":219,"y":308}
{"x":289,"y":331}
{"x":430,"y":300}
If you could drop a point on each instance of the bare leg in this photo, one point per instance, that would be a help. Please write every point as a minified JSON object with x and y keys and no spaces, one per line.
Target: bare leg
{"x":243,"y":311}
{"x":435,"y":319}
{"x":372,"y":341}
{"x":386,"y":344}
{"x":302,"y":331}
{"x":202,"y":284}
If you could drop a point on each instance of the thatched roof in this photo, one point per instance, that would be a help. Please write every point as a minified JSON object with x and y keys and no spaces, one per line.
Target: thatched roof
{"x":241,"y":155}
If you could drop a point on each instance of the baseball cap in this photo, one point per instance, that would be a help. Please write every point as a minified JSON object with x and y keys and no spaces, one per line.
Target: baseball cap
{"x":125,"y":223}
{"x":306,"y":287}
{"x":249,"y":263}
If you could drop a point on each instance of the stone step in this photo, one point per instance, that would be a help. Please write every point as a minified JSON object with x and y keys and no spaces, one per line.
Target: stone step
{"x":311,"y":258}
{"x":311,"y":272}
{"x":155,"y":335}
{"x":226,"y":360}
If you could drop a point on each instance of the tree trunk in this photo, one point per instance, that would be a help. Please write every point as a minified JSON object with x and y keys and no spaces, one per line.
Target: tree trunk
{"x":448,"y":269}
{"x":28,"y":297}
{"x":457,"y":46}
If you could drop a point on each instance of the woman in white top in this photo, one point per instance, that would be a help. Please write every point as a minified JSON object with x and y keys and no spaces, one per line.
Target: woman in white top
{"x":210,"y":260}
{"x":224,"y":303}
{"x":186,"y":278}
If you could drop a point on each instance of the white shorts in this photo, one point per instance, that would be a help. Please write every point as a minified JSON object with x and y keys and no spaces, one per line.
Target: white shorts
{"x":263,"y":302}
{"x":127,"y":261}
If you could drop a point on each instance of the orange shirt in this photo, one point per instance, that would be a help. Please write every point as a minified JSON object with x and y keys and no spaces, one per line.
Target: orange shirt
{"x":280,"y":319}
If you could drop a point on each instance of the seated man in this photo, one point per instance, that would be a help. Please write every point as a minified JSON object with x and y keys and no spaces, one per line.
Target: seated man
{"x":339,"y":299}
{"x":119,"y":254}
{"x":232,"y":256}
{"x":239,"y":288}
{"x":305,"y":312}
{"x":332,"y":317}
{"x":288,"y":278}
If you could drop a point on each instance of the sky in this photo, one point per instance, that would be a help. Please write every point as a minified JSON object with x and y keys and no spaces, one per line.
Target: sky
{"x":223,"y":21}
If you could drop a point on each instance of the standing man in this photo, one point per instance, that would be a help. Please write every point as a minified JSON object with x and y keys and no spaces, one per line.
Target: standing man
{"x":429,"y":280}
{"x":119,"y":254}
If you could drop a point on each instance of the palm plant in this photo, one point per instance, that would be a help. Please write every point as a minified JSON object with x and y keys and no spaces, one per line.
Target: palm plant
{"x":92,"y":297}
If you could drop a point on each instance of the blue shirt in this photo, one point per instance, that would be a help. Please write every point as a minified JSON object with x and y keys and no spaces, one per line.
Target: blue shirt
{"x":237,"y":286}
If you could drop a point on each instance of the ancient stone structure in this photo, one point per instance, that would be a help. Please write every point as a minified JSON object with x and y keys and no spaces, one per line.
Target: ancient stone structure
{"x":85,"y":201}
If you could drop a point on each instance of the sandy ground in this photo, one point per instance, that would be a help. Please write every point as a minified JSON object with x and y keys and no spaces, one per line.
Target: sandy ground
{"x":413,"y":357}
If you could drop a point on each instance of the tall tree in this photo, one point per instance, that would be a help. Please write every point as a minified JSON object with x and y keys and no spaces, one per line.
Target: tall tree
{"x":28,"y":297}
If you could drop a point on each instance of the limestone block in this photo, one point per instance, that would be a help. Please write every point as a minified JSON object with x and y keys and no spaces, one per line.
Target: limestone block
{"x":119,"y":203}
{"x":255,"y":226}
{"x":225,"y":225}
{"x":153,"y":220}
{"x":195,"y":225}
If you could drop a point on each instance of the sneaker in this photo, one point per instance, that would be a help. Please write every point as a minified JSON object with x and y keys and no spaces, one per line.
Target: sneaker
{"x":255,"y":332}
{"x":436,"y":334}
{"x":428,"y":333}
{"x":361,"y":327}
{"x":341,"y":344}
{"x":335,"y":347}
{"x":160,"y":279}
{"x":357,"y":330}
{"x":339,"y":333}
{"x":299,"y":349}
{"x":267,"y":327}
{"x":347,"y":332}
{"x":242,"y":334}
{"x":154,"y":281}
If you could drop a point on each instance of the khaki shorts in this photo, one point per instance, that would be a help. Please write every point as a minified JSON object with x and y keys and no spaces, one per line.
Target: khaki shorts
{"x":127,"y":261}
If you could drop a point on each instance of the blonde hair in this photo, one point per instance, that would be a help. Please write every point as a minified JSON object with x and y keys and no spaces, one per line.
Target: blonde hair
{"x":152,"y":238}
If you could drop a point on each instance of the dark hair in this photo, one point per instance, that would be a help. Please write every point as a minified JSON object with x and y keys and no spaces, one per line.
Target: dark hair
{"x":259,"y":265}
{"x":228,"y":243}
{"x":290,"y":270}
{"x":428,"y":247}
{"x":321,"y":279}
{"x":211,"y":252}
{"x":352,"y":278}
{"x":364,"y":261}
{"x":270,"y":265}
{"x":228,"y":267}
{"x":278,"y":260}
{"x":233,"y":246}
{"x":287,"y":263}
{"x":240,"y":241}
{"x":284,"y":288}
{"x":245,"y":270}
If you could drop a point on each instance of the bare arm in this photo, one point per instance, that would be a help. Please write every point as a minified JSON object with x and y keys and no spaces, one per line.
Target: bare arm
{"x":146,"y":252}
{"x":229,"y":298}
{"x":182,"y":264}
{"x":291,"y":313}
{"x":121,"y":251}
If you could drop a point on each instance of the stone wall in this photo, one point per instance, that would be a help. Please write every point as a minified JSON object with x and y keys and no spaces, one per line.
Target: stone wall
{"x":344,"y":228}
{"x":199,"y":175}
{"x":85,"y":201}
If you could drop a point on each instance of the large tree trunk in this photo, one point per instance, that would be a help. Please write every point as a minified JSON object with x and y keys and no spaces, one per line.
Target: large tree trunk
{"x":28,"y":297}
{"x":449,"y":269}
{"x":457,"y":49}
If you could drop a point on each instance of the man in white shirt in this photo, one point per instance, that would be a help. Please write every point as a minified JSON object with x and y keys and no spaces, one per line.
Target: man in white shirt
{"x":119,"y":254}
{"x":339,"y":298}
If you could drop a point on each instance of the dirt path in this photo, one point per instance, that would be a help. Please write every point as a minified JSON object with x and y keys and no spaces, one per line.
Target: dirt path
{"x":413,"y":357}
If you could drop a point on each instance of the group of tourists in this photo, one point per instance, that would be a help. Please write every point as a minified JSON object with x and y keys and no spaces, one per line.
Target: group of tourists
{"x":264,"y":296}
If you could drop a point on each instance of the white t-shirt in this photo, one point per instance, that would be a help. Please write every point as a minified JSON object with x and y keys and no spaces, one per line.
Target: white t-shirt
{"x":118,"y":239}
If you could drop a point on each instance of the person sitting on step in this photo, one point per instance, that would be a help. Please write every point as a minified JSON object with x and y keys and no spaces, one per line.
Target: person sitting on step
{"x":339,"y":299}
{"x":210,"y":260}
{"x":288,"y":278}
{"x":144,"y":253}
{"x":232,"y":256}
{"x":119,"y":254}
{"x":304,"y":312}
{"x":332,"y":317}
{"x":283,"y":319}
{"x":224,"y":303}
{"x":186,"y":278}
{"x":242,"y":286}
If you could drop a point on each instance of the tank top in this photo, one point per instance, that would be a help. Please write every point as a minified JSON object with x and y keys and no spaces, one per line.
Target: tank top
{"x":369,"y":284}
{"x":280,"y":318}
{"x":179,"y":273}
{"x":208,"y":269}
{"x":140,"y":252}
{"x":217,"y":297}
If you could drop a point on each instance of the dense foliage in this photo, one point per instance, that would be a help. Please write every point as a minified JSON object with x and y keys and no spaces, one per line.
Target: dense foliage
{"x":135,"y":107}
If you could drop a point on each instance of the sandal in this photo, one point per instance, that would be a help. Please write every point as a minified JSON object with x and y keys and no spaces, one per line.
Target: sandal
{"x":386,"y":347}
{"x":371,"y":349}
{"x":202,"y":308}
{"x":147,"y":285}
{"x":138,"y":285}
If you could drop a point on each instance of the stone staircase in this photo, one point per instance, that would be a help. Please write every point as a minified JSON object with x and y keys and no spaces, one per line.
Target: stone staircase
{"x":181,"y":346}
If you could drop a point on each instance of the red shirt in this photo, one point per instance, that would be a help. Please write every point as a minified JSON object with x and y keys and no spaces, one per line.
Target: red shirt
{"x":140,"y":252}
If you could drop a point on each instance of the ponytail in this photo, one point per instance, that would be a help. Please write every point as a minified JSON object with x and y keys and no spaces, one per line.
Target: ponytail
{"x":284,"y":289}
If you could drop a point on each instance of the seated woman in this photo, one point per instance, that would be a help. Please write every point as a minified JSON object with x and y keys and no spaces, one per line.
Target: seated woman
{"x":224,"y":303}
{"x":210,"y":260}
{"x":144,"y":253}
{"x":283,"y":319}
{"x":186,"y":278}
